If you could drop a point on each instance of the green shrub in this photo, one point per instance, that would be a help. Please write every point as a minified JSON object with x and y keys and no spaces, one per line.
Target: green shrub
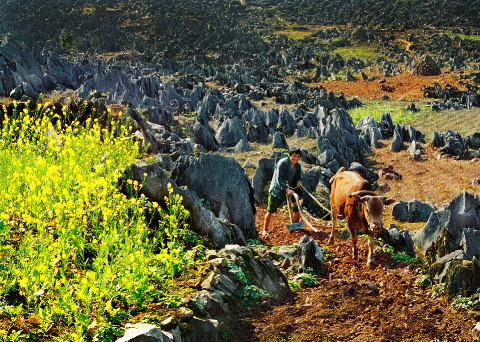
{"x":460,"y":302}
{"x":66,"y":40}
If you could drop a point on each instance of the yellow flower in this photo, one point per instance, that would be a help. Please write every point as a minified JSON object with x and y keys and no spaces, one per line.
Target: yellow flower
{"x":145,"y":174}
{"x":155,"y":204}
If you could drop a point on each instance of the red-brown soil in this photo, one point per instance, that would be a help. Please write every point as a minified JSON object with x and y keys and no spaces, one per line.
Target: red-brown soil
{"x":406,"y":86}
{"x":345,"y":306}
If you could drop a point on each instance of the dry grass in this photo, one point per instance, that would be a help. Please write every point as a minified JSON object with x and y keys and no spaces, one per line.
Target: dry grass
{"x":466,"y":121}
{"x":432,"y":180}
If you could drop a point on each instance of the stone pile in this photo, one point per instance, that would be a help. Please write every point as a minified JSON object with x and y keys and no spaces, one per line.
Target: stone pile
{"x":450,"y":240}
{"x":453,"y":144}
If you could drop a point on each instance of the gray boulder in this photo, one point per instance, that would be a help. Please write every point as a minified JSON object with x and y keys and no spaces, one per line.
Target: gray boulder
{"x":437,"y":140}
{"x":386,"y":126}
{"x":279,"y":141}
{"x":440,"y":268}
{"x":400,"y":211}
{"x":463,"y":277}
{"x":338,"y":134}
{"x":368,"y":174}
{"x":461,"y":212}
{"x":231,"y":132}
{"x":222,"y":182}
{"x":310,"y":255}
{"x":419,"y":211}
{"x":242,"y":146}
{"x":470,"y":241}
{"x":202,"y":135}
{"x":207,"y":303}
{"x":397,"y":143}
{"x":203,"y":330}
{"x":202,"y":221}
{"x":368,"y":129}
{"x":164,"y":161}
{"x":286,"y":122}
{"x":259,"y":272}
{"x":141,"y":332}
{"x":28,"y":91}
{"x":262,"y":178}
{"x":256,"y":128}
{"x":316,"y":178}
{"x":400,"y":240}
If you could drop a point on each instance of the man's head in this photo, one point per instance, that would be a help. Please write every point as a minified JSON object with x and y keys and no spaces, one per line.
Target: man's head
{"x":294,"y":154}
{"x":294,"y":150}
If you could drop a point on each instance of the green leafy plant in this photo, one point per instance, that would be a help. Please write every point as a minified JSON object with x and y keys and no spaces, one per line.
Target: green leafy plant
{"x":423,"y":281}
{"x":386,"y":249}
{"x":460,"y":302}
{"x":438,"y":290}
{"x":238,"y":274}
{"x":66,"y":40}
{"x":402,"y":257}
{"x":108,"y":332}
{"x":306,"y":278}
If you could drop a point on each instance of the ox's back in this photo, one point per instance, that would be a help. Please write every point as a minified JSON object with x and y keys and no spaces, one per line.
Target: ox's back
{"x":344,"y":183}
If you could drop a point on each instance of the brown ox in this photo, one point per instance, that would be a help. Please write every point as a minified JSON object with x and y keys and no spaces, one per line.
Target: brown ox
{"x":353,"y":198}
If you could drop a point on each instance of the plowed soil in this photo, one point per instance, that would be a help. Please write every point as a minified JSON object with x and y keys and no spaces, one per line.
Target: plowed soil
{"x":405,"y":85}
{"x":355,"y":303}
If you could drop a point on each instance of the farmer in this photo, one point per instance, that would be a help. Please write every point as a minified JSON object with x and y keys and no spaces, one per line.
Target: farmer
{"x":288,"y":173}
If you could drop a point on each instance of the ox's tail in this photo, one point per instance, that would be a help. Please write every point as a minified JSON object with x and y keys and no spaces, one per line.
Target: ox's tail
{"x":339,"y":170}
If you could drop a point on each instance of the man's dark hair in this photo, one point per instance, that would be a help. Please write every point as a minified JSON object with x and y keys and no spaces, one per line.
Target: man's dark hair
{"x":294,"y":150}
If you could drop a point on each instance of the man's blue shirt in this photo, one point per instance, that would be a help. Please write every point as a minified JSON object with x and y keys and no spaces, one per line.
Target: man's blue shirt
{"x":284,"y":175}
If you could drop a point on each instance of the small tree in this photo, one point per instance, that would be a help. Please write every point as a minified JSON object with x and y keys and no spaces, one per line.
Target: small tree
{"x":156,"y":27}
{"x":66,"y":40}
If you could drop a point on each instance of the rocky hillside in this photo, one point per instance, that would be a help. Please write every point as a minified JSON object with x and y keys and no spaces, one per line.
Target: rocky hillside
{"x":212,"y":26}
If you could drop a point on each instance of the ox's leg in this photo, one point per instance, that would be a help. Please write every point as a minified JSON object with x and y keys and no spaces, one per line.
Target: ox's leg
{"x":370,"y":250}
{"x":353,"y":234}
{"x":334,"y":223}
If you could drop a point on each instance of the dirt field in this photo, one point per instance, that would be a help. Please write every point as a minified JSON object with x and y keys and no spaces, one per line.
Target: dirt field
{"x":406,"y":86}
{"x":345,"y":306}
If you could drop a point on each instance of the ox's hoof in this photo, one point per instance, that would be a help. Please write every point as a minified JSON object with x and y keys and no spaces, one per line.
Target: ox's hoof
{"x":370,"y":264}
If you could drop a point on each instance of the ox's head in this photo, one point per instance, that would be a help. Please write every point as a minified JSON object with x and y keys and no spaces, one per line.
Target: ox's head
{"x":373,"y":210}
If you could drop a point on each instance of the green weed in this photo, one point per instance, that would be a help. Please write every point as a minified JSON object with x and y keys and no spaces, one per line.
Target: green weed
{"x":423,"y":281}
{"x":460,"y":302}
{"x":306,"y":278}
{"x":438,"y":290}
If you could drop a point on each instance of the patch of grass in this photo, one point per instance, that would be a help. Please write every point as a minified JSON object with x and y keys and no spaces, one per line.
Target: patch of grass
{"x":363,"y":52}
{"x":295,"y":35}
{"x":396,"y":109}
{"x":473,"y":38}
{"x":466,"y":121}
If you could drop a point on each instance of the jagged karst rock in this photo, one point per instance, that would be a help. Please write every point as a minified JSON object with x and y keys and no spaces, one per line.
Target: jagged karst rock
{"x":426,"y":66}
{"x":222,"y":182}
{"x":400,"y":240}
{"x":279,"y":142}
{"x":142,"y":332}
{"x":203,"y":135}
{"x":310,"y":255}
{"x":242,"y":146}
{"x":202,"y":221}
{"x":262,"y":177}
{"x":461,"y":212}
{"x":231,"y":132}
